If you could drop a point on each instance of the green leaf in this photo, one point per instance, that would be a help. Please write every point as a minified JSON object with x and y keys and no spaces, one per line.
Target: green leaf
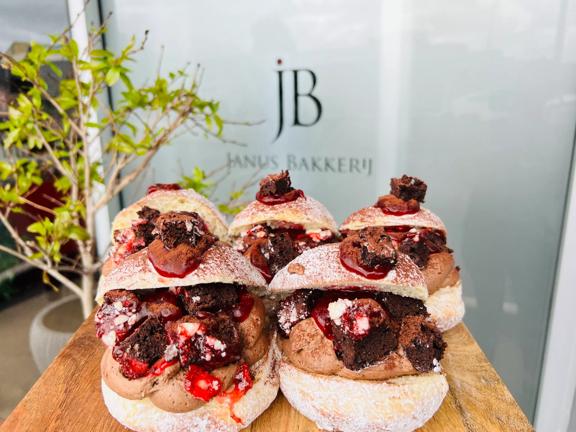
{"x":219,"y":124}
{"x":54,"y":69}
{"x":112,"y":76}
{"x":63,"y":184}
{"x":100,"y":53}
{"x":78,"y":233}
{"x":230,"y":210}
{"x":37,"y":228}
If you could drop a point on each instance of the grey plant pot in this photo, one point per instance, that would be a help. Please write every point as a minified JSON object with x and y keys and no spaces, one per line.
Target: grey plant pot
{"x":51,"y":329}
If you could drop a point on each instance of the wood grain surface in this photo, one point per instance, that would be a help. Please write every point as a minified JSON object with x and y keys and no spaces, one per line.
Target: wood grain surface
{"x":67,"y":396}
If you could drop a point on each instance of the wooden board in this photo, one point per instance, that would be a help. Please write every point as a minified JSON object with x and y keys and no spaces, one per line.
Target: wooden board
{"x":67,"y":396}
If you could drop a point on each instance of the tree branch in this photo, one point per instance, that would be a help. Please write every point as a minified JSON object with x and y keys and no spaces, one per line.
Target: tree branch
{"x":15,"y":236}
{"x":50,"y":151}
{"x":50,"y":270}
{"x":13,"y":63}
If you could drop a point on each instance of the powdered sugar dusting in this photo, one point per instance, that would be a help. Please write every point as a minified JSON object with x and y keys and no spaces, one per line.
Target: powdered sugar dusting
{"x":287,"y":317}
{"x":323,"y":270}
{"x":178,"y":200}
{"x":338,"y":404}
{"x":372,"y":216}
{"x":305,"y":211}
{"x":220,"y":263}
{"x":446,"y":307}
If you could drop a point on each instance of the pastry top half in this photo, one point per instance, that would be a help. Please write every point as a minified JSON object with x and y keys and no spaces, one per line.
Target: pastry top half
{"x":220,"y":264}
{"x":373,"y":216}
{"x":278,"y":203}
{"x":402,"y":207}
{"x":166,"y":198}
{"x":321,"y":268}
{"x":180,"y":251}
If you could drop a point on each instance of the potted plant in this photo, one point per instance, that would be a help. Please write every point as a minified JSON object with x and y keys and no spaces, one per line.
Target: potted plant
{"x":89,"y":159}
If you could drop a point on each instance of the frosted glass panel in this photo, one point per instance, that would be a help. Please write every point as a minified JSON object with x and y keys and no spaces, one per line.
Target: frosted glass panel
{"x":478,"y":98}
{"x":31,"y":20}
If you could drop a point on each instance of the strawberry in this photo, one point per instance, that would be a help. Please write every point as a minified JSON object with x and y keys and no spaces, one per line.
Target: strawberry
{"x":201,"y":384}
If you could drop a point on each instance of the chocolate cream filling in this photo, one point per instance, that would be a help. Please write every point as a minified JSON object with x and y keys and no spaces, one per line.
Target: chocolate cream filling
{"x":358,"y":335}
{"x":173,"y":397}
{"x":167,"y":391}
{"x":308,"y":349}
{"x":440,"y":272}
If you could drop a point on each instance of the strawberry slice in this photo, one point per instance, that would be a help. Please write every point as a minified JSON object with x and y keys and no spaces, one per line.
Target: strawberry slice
{"x":201,"y":384}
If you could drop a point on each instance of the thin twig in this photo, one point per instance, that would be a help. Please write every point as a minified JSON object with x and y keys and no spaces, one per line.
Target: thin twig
{"x":48,"y":269}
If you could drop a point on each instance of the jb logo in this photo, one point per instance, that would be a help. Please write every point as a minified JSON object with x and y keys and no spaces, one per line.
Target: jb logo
{"x":299,"y":95}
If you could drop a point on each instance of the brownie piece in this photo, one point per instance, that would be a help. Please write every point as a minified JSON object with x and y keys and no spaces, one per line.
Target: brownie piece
{"x":419,"y":248}
{"x":275,"y":185}
{"x":434,"y":240}
{"x":162,"y":304}
{"x":422,"y":342}
{"x":377,"y":249}
{"x":224,"y":329}
{"x":183,"y":334}
{"x":399,"y":307}
{"x":357,"y":354}
{"x":209,"y":297}
{"x":370,"y":247}
{"x":295,"y":308}
{"x":117,"y":315}
{"x":137,"y":352}
{"x":416,"y":250}
{"x":147,"y":213}
{"x":363,"y":333}
{"x":210,"y":341}
{"x":279,"y":251}
{"x":144,"y":227}
{"x":408,"y":188}
{"x":175,"y":228}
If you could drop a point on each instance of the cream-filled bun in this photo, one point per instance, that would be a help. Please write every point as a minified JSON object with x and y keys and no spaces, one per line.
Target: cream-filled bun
{"x":144,"y":416}
{"x":280,"y":224}
{"x":188,"y":337}
{"x":421,"y":235}
{"x":133,"y":226}
{"x":360,"y":352}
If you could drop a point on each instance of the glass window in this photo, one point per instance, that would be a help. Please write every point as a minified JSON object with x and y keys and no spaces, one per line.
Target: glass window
{"x":476,"y":99}
{"x":29,"y":20}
